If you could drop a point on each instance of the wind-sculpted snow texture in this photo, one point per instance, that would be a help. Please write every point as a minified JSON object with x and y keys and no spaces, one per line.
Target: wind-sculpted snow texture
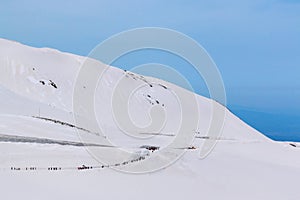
{"x":43,"y":157}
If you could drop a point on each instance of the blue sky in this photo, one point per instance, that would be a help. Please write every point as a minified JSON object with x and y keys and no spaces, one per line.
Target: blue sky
{"x":255,"y":44}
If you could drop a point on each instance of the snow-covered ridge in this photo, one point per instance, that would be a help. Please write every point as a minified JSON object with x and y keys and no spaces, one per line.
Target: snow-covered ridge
{"x":48,"y":76}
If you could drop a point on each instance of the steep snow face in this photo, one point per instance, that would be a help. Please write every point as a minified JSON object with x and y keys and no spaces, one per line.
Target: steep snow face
{"x":48,"y":76}
{"x":37,"y":130}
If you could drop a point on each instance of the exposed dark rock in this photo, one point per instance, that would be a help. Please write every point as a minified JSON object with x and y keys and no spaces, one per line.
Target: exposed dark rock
{"x":53,"y":84}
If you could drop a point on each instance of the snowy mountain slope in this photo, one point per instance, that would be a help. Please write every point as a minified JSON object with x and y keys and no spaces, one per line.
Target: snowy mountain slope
{"x":29,"y":72}
{"x":37,"y":130}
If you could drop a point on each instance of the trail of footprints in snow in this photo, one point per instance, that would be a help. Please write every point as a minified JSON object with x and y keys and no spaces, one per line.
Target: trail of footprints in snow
{"x":79,"y":168}
{"x":62,"y":123}
{"x":85,"y":167}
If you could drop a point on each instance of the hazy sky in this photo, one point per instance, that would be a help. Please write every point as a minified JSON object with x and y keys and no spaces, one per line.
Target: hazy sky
{"x":256,"y":44}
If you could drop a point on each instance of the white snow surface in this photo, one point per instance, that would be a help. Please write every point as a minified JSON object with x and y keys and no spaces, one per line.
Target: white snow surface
{"x":243,"y":165}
